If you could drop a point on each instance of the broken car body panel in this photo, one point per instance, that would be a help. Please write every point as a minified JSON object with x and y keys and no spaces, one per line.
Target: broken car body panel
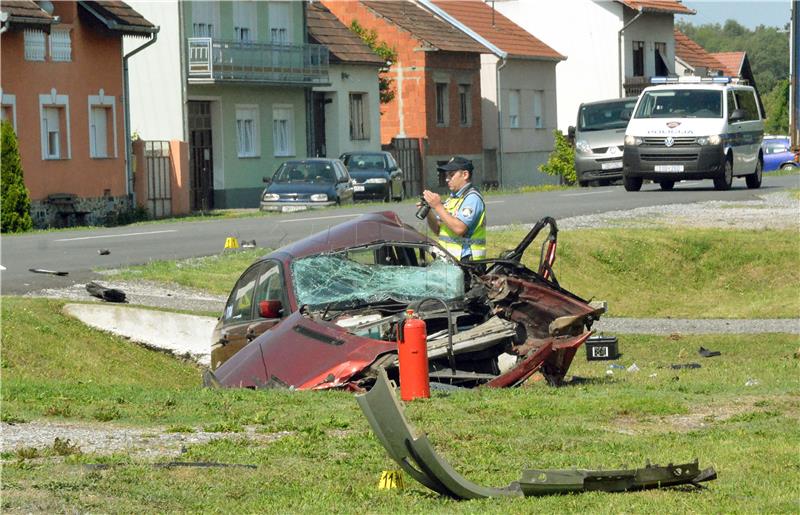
{"x":417,"y":458}
{"x":344,"y":295}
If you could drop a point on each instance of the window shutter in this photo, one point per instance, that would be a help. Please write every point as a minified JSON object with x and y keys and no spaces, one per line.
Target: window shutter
{"x":60,"y":45}
{"x":98,"y":136}
{"x":34,"y":45}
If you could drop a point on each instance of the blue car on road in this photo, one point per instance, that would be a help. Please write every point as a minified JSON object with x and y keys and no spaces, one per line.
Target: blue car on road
{"x":777,"y":154}
{"x":303,"y":184}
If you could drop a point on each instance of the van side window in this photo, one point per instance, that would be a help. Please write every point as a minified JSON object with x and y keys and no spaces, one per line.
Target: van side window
{"x":731,"y":103}
{"x":746,"y":100}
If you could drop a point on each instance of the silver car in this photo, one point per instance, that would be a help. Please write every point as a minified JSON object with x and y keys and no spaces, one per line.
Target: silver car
{"x":599,"y":139}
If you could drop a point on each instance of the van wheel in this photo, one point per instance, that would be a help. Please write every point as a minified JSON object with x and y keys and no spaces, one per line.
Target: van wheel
{"x":754,"y":179}
{"x":632,"y":183}
{"x":725,"y":181}
{"x":667,"y":185}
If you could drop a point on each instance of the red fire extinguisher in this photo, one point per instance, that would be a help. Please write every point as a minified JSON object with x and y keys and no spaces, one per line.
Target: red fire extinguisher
{"x":412,"y":344}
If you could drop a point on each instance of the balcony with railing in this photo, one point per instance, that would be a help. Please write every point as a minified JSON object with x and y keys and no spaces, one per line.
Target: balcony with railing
{"x":212,"y":60}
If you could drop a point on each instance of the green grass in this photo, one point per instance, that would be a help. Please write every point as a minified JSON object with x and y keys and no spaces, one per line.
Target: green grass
{"x":330,"y":458}
{"x":680,"y":273}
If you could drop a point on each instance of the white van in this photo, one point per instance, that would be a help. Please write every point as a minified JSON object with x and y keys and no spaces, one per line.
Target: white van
{"x":694,"y":128}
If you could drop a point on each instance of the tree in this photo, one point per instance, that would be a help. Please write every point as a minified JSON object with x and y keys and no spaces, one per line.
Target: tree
{"x":15,"y":203}
{"x":562,"y":160}
{"x":387,"y":53}
{"x":777,"y":106}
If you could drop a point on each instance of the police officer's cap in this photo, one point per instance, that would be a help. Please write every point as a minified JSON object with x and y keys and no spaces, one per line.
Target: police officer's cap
{"x":455,"y":164}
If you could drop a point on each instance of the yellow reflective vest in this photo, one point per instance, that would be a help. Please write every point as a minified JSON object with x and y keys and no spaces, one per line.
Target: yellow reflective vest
{"x":476,"y":241}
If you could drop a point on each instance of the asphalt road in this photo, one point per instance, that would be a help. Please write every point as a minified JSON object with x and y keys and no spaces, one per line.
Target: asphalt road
{"x":76,"y":251}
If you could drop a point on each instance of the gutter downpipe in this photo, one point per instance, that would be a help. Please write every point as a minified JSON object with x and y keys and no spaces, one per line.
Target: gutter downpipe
{"x":129,"y":186}
{"x":501,"y":64}
{"x":619,"y":47}
{"x":502,"y":55}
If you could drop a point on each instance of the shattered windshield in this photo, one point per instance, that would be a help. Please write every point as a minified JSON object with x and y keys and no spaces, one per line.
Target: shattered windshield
{"x":375,"y":275}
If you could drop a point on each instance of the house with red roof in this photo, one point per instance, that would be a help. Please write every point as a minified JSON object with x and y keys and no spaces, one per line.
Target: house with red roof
{"x":63,"y":91}
{"x":518,"y":92}
{"x":436,"y":110}
{"x":613,"y":47}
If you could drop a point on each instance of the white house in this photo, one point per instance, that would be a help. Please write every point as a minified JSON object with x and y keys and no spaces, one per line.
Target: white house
{"x":613,"y":47}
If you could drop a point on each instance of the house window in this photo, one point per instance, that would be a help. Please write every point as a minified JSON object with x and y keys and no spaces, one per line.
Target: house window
{"x":204,"y":19}
{"x":55,"y":132}
{"x":244,"y":21}
{"x":660,"y":56}
{"x":464,"y":105}
{"x":60,"y":45}
{"x":280,"y":22}
{"x":359,"y":120}
{"x":247,"y":131}
{"x":98,"y":132}
{"x":102,"y":126}
{"x":513,"y":108}
{"x":441,"y":104}
{"x":638,"y":58}
{"x":283,"y":130}
{"x":538,"y":114}
{"x":34,"y":45}
{"x":8,"y":109}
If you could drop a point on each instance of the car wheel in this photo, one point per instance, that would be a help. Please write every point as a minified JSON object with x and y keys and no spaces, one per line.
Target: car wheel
{"x":388,"y":196}
{"x":724,"y":181}
{"x":788,"y":166}
{"x":632,"y":183}
{"x":583,"y":184}
{"x":667,"y":185}
{"x":754,"y":179}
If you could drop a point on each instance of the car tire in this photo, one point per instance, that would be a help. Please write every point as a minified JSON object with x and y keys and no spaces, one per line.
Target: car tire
{"x":667,"y":185}
{"x":754,"y":179}
{"x":388,"y":196}
{"x":632,"y":183}
{"x":725,"y":180}
{"x":583,"y":184}
{"x":788,"y":167}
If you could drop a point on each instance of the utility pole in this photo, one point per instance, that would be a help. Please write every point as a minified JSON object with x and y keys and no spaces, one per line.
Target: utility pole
{"x":794,"y":91}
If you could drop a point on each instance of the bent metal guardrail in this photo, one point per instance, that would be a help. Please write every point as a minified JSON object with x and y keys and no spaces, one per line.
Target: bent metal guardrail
{"x":214,"y":60}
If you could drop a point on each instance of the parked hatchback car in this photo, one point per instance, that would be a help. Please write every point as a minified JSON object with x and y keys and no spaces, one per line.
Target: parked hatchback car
{"x":777,"y":154}
{"x":307,"y":183}
{"x":324,"y":312}
{"x":376,"y":174}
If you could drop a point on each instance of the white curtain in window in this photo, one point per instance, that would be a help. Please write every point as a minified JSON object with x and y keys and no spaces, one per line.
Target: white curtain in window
{"x":34,"y":45}
{"x":244,"y":21}
{"x":538,"y":116}
{"x":204,"y":19}
{"x":513,"y":108}
{"x":283,"y":131}
{"x":280,"y":22}
{"x":247,"y":132}
{"x":60,"y":45}
{"x":52,"y":132}
{"x":98,"y":132}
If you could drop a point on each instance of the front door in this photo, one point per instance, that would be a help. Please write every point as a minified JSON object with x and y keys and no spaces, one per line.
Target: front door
{"x":320,"y":147}
{"x":201,"y":157}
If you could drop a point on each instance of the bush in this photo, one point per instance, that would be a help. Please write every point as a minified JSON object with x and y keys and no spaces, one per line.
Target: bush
{"x":15,"y":203}
{"x":562,"y":160}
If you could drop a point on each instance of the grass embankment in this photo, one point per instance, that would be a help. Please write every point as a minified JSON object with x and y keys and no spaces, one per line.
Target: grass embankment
{"x":55,"y":368}
{"x":686,"y":273}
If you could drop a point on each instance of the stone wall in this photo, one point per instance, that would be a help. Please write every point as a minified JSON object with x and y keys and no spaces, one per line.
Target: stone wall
{"x":87,"y":211}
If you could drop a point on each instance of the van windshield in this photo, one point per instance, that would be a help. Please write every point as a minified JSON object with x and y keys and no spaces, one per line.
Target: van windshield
{"x":605,"y":116}
{"x":680,"y":103}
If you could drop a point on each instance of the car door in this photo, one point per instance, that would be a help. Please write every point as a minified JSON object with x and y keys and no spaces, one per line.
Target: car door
{"x":752,"y":129}
{"x":344,"y":186}
{"x":270,"y":287}
{"x":231,"y":331}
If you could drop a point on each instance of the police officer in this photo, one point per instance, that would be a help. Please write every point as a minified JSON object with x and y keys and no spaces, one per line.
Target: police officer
{"x":460,"y":221}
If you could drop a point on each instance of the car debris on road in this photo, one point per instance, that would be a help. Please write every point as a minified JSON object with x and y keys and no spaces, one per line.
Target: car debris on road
{"x":324,"y":312}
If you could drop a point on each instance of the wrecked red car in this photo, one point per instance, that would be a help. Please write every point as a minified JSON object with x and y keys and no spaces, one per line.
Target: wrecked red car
{"x":324,"y":312}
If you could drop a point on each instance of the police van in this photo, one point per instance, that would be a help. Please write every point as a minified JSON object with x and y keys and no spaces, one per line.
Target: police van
{"x":694,"y":128}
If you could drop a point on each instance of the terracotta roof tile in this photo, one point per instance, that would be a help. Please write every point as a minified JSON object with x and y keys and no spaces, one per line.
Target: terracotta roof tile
{"x":503,"y":33}
{"x":25,"y":10}
{"x":345,"y":46}
{"x":664,"y":6}
{"x":730,"y":62}
{"x":122,"y":14}
{"x":424,"y":26}
{"x":693,"y":53}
